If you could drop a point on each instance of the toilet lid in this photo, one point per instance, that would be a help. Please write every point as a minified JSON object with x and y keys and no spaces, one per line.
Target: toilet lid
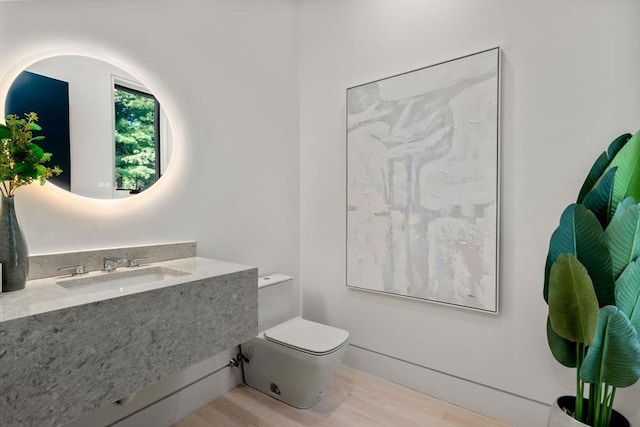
{"x":307,"y":336}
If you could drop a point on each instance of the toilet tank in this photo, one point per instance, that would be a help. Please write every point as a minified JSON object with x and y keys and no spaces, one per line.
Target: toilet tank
{"x":278,"y":300}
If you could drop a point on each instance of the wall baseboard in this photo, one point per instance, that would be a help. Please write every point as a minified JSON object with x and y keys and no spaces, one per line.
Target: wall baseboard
{"x":501,"y":405}
{"x":167,"y":402}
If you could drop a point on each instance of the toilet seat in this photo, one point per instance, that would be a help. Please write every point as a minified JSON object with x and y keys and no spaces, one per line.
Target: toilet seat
{"x":307,"y":336}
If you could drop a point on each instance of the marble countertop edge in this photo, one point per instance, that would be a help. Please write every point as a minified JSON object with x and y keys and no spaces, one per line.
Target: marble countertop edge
{"x":46,"y":295}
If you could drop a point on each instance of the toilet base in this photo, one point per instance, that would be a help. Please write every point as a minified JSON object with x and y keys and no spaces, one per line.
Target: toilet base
{"x":293,"y":377}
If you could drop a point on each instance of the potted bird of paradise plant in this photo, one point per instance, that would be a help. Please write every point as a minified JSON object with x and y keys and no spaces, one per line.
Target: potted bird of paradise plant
{"x":592,"y":288}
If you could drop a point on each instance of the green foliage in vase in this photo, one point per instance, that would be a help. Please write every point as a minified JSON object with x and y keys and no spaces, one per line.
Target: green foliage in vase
{"x":135,"y":140}
{"x":592,"y":282}
{"x":21,"y":159}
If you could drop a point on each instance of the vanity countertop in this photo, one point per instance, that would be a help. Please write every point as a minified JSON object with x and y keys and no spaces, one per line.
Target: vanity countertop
{"x":45,"y":295}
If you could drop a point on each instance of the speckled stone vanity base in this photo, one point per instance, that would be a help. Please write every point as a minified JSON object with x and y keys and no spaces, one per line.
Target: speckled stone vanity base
{"x":41,"y":266}
{"x":58,"y":365}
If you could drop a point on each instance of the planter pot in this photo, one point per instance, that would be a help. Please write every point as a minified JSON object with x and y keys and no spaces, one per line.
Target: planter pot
{"x":13,"y":248}
{"x":563,"y":407}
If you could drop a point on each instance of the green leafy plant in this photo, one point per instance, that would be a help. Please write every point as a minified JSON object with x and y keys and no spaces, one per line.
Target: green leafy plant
{"x":21,"y":159}
{"x":592,"y":282}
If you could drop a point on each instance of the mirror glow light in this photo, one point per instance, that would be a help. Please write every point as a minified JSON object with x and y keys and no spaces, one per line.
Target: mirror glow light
{"x":98,"y":187}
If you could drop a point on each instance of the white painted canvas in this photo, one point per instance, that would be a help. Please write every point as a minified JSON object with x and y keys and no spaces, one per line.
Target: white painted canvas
{"x":422,"y":183}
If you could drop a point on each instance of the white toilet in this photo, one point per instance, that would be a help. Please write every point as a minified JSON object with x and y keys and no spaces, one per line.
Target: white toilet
{"x":291,"y":359}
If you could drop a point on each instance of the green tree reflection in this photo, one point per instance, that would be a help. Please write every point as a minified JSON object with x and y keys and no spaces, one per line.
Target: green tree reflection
{"x":135,"y":139}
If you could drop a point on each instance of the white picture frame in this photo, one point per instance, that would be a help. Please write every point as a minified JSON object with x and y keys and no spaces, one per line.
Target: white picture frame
{"x":423,"y":183}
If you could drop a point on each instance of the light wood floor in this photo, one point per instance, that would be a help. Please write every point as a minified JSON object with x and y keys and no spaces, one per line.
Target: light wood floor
{"x":353,"y":399}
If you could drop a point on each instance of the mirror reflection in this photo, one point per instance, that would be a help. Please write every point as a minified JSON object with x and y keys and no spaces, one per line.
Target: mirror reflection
{"x":105,"y":129}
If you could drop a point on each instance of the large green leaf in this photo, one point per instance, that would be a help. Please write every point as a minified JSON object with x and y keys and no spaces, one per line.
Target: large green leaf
{"x":5,"y":133}
{"x":20,"y":168}
{"x":600,"y":197}
{"x":580,"y":233}
{"x":563,"y":241}
{"x":601,"y":164}
{"x":564,"y":351}
{"x":623,"y":237}
{"x":614,"y":356}
{"x":623,"y":205}
{"x":573,"y":306}
{"x":627,"y":182}
{"x":37,"y":151}
{"x":628,"y":293}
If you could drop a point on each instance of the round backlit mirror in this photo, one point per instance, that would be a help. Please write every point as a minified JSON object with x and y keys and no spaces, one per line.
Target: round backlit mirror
{"x":105,"y":129}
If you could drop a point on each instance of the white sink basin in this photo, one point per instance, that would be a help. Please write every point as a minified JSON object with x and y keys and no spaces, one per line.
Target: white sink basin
{"x":104,"y":281}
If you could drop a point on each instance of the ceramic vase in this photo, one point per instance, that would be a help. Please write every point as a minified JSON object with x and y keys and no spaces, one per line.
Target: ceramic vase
{"x":558,"y":416}
{"x":14,"y":255}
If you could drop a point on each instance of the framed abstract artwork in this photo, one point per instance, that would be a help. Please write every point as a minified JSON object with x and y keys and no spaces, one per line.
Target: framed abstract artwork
{"x":423,"y":183}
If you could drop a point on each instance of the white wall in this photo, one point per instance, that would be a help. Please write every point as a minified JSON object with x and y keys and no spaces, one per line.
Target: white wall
{"x":228,"y":70}
{"x":569,"y":86}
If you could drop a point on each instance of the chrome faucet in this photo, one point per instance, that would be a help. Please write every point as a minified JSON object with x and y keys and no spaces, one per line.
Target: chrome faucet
{"x":75,"y":269}
{"x":134,"y":262}
{"x":110,"y":264}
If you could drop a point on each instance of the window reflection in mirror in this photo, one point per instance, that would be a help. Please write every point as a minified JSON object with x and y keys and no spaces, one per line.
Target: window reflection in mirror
{"x":97,"y":168}
{"x":137,"y":139}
